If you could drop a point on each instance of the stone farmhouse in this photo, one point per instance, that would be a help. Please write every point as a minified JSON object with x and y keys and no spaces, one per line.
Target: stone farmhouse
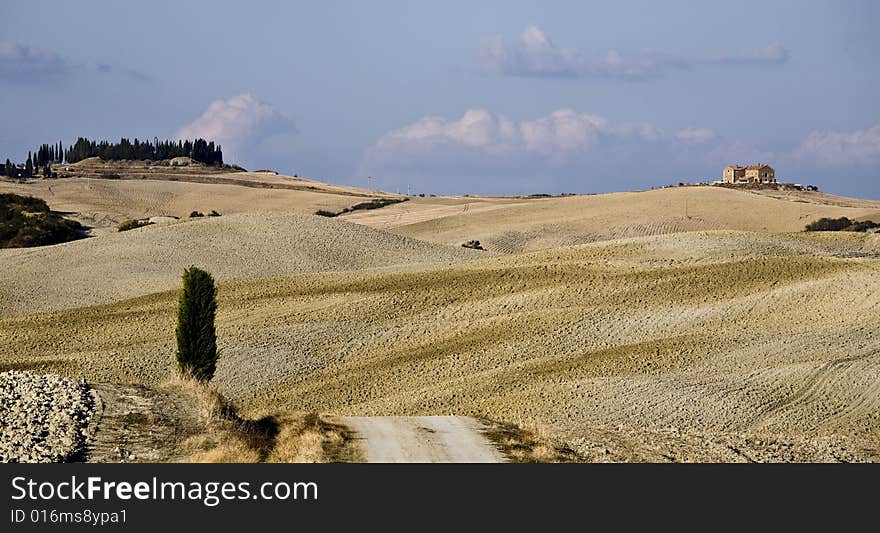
{"x":760,"y":173}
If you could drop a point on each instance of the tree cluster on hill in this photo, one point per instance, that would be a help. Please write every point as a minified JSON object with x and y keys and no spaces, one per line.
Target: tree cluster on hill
{"x":48,"y":154}
{"x":199,"y":150}
{"x":29,"y":170}
{"x":26,"y":221}
{"x":841,"y":224}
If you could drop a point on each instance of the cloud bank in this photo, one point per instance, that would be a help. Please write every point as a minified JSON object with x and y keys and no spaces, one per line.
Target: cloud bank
{"x":858,"y":147}
{"x":237,"y":123}
{"x":483,"y":152}
{"x":23,"y":64}
{"x":533,"y":54}
{"x":20,"y":63}
{"x":696,"y":135}
{"x":560,"y":134}
{"x":486,"y":152}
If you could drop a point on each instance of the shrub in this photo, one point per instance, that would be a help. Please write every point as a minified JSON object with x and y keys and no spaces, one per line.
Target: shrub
{"x":196,"y":335}
{"x":375,"y":203}
{"x":213,"y":213}
{"x":27,"y":222}
{"x":195,"y":214}
{"x":841,"y":224}
{"x":474,"y":245}
{"x":132,"y":224}
{"x":863,"y":226}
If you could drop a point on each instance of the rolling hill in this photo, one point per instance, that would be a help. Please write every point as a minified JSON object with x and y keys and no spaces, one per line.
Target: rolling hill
{"x":118,"y":266}
{"x":510,"y":225}
{"x":700,"y":346}
{"x":681,"y":324}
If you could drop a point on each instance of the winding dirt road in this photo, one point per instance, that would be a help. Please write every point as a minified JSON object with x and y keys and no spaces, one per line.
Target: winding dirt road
{"x":422,"y":439}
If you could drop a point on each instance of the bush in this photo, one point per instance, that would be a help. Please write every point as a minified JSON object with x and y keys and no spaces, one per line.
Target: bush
{"x":195,"y":214}
{"x":375,"y":203}
{"x":196,"y":335}
{"x":27,"y":222}
{"x":132,"y":224}
{"x":213,"y":213}
{"x":863,"y":226}
{"x":841,"y":224}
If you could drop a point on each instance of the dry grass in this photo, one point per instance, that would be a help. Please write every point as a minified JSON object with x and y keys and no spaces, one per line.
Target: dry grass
{"x":311,"y":438}
{"x":536,"y":444}
{"x":285,"y":437}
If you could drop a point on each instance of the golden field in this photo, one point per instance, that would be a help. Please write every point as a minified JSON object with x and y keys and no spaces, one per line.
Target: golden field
{"x":693,"y":323}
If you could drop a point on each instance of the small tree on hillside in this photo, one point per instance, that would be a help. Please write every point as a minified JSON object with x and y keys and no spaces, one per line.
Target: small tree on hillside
{"x":196,"y":336}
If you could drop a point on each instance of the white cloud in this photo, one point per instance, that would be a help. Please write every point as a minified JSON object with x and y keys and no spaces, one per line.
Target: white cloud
{"x":695,"y":135}
{"x":487,"y":152}
{"x":563,"y":131}
{"x":857,"y":147}
{"x":237,"y":122}
{"x":773,"y":53}
{"x":535,"y":55}
{"x":21,"y":63}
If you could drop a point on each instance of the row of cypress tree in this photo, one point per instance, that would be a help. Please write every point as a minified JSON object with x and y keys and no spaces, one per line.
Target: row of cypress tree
{"x":11,"y":170}
{"x":200,"y":150}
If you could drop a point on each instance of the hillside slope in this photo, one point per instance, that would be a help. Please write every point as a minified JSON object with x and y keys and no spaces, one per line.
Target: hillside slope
{"x":103,"y":203}
{"x":245,"y":246}
{"x":701,"y":346}
{"x":511,"y":225}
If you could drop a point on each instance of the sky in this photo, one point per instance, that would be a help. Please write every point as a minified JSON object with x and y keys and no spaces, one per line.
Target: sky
{"x":457,"y":97}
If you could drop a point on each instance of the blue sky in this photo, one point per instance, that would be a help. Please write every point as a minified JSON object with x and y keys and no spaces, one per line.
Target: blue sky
{"x":457,"y":97}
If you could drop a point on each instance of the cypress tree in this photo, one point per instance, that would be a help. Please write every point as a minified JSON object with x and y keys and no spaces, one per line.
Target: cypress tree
{"x":28,"y":168}
{"x":196,"y":335}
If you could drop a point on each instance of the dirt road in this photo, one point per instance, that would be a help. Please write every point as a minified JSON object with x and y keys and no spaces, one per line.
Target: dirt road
{"x":422,"y":439}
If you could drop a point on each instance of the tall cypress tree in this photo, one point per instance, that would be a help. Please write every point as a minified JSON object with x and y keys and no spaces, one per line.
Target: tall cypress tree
{"x":196,"y":335}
